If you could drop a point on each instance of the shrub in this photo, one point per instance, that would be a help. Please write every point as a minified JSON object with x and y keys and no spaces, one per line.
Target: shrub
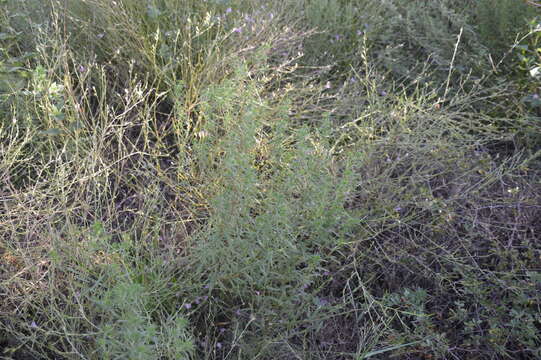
{"x":93,"y":300}
{"x":501,"y":23}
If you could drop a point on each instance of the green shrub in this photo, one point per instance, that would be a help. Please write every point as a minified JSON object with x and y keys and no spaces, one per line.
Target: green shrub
{"x":501,"y":23}
{"x":274,"y":206}
{"x":99,"y":303}
{"x":407,"y":38}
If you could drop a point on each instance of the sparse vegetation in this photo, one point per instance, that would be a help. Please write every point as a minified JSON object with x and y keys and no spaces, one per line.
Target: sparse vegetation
{"x":241,"y":179}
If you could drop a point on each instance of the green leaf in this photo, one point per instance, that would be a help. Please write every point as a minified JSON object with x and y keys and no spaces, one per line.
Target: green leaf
{"x":51,"y":132}
{"x":59,"y":116}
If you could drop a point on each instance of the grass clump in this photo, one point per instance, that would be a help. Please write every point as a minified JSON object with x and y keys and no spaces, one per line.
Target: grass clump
{"x":317,"y":180}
